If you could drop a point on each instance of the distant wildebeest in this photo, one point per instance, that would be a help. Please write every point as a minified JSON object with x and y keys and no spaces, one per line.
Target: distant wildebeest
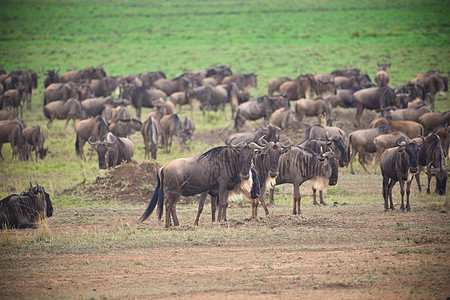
{"x":361,"y":142}
{"x":344,"y":82}
{"x":84,"y":74}
{"x":151,"y":130}
{"x":377,"y":98}
{"x":126,"y":127}
{"x":325,"y":89}
{"x":170,"y":86}
{"x":97,"y":128}
{"x":386,"y":141}
{"x":34,"y":140}
{"x":141,"y":97}
{"x":335,"y":139}
{"x":399,"y":164}
{"x":301,"y":164}
{"x":171,"y":125}
{"x":301,"y":87}
{"x":27,"y":209}
{"x":382,"y":76}
{"x":270,"y":134}
{"x":275,"y":83}
{"x":11,"y":132}
{"x":28,"y":82}
{"x":285,"y":118}
{"x":61,"y":91}
{"x":318,"y":131}
{"x":94,"y":106}
{"x":432,"y":156}
{"x":344,"y":97}
{"x":262,"y":107}
{"x":14,"y":99}
{"x":179,"y":98}
{"x":111,"y":114}
{"x":434,"y":120}
{"x":220,"y":168}
{"x":165,"y":107}
{"x":149,"y":78}
{"x":51,"y":76}
{"x":412,"y":91}
{"x":408,"y":114}
{"x":410,"y":128}
{"x":64,"y":110}
{"x":444,"y":136}
{"x":243,"y":81}
{"x":310,"y":108}
{"x":105,"y":86}
{"x":113,"y":150}
{"x":433,"y":83}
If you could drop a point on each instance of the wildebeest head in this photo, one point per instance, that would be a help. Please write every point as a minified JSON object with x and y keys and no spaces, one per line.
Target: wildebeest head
{"x":411,"y":149}
{"x":245,"y":160}
{"x":330,"y":162}
{"x":38,"y":192}
{"x":274,"y":151}
{"x":103,"y":150}
{"x":338,"y":144}
{"x":441,"y":181}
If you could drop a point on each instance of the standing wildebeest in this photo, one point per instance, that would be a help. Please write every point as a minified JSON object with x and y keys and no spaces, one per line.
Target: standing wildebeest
{"x":433,"y":83}
{"x":28,"y":82}
{"x":26,"y":209}
{"x":84,"y":74}
{"x":243,"y":81}
{"x":408,"y":114}
{"x":220,"y":168}
{"x":94,"y":106}
{"x":325,"y":89}
{"x":170,"y":86}
{"x":344,"y":98}
{"x":64,"y":110}
{"x":61,"y":91}
{"x":11,"y":132}
{"x":410,"y":128}
{"x":335,"y":139}
{"x":148,"y":78}
{"x":399,"y":164}
{"x":361,"y":142}
{"x":317,"y":107}
{"x":284,"y":118}
{"x":141,"y":97}
{"x":262,"y":107}
{"x":300,"y":87}
{"x":51,"y":76}
{"x":105,"y":86}
{"x":434,"y":120}
{"x":270,"y":133}
{"x":171,"y":125}
{"x":275,"y":83}
{"x":34,"y":140}
{"x":444,"y":136}
{"x":412,"y":91}
{"x":348,"y":82}
{"x":151,"y":130}
{"x":125,"y":127}
{"x":96,"y":128}
{"x":376,"y":98}
{"x":14,"y":99}
{"x":382,"y":76}
{"x":386,"y":141}
{"x":318,"y":131}
{"x":301,"y":164}
{"x":112,"y":150}
{"x":432,"y":154}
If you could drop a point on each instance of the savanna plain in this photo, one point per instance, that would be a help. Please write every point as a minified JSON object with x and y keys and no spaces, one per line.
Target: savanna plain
{"x":93,"y":248}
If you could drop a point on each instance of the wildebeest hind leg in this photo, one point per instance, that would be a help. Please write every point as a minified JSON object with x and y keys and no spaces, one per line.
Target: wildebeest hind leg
{"x":390,"y":186}
{"x":201,"y":204}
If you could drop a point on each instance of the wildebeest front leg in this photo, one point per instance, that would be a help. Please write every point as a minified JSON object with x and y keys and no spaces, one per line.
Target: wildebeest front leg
{"x":315,"y":196}
{"x":271,"y":201}
{"x":408,"y":191}
{"x":402,"y":193}
{"x":201,"y":204}
{"x":297,"y":197}
{"x":390,"y":186}
{"x":255,"y":208}
{"x":321,"y":198}
{"x":429,"y":181}
{"x":213,"y":208}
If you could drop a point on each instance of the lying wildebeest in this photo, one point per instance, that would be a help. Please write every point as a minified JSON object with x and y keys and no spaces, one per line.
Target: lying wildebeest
{"x":275,"y":83}
{"x":170,"y":86}
{"x":27,"y":209}
{"x":361,"y":142}
{"x":432,"y":82}
{"x":84,"y":74}
{"x":270,"y":133}
{"x":432,"y":154}
{"x":97,"y":128}
{"x":301,"y":164}
{"x":51,"y":76}
{"x":382,"y":76}
{"x":310,"y":108}
{"x":220,"y":168}
{"x":386,"y":141}
{"x":94,"y":106}
{"x":11,"y":132}
{"x":325,"y":89}
{"x":141,"y":97}
{"x":243,"y":81}
{"x":112,"y":150}
{"x":410,"y":128}
{"x":399,"y":164}
{"x":262,"y":107}
{"x":125,"y":128}
{"x":151,"y":130}
{"x":105,"y":86}
{"x":34,"y":140}
{"x":64,"y":110}
{"x":376,"y":98}
{"x":171,"y":125}
{"x":408,"y":114}
{"x":300,"y":87}
{"x":14,"y":99}
{"x":148,"y":78}
{"x":285,"y":118}
{"x":434,"y":120}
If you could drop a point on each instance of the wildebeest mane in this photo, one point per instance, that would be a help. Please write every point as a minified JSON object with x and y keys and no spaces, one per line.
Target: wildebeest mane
{"x":309,"y":150}
{"x":210,"y":154}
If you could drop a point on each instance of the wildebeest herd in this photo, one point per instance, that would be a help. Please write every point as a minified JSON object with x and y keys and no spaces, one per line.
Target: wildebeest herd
{"x":407,"y":136}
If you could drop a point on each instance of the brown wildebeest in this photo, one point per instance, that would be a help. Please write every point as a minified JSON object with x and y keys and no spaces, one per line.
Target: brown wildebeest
{"x":170,"y":86}
{"x":220,"y":168}
{"x":382,"y":76}
{"x":14,"y":99}
{"x":410,"y":128}
{"x":325,"y":89}
{"x":434,"y":120}
{"x":97,"y":128}
{"x":433,"y":83}
{"x":149,"y":78}
{"x":105,"y":86}
{"x":111,"y":114}
{"x":408,"y":114}
{"x":7,"y":115}
{"x":141,"y":97}
{"x":113,"y":150}
{"x":179,"y":98}
{"x":84,"y":74}
{"x":275,"y":83}
{"x":51,"y":76}
{"x":413,"y":91}
{"x":64,"y":110}
{"x":125,"y":128}
{"x":285,"y":118}
{"x":344,"y":82}
{"x":165,"y":107}
{"x":399,"y":164}
{"x":11,"y":132}
{"x":386,"y":141}
{"x":34,"y":140}
{"x":171,"y":125}
{"x":318,"y":131}
{"x":317,"y":107}
{"x":270,"y":134}
{"x":344,"y":97}
{"x":243,"y":81}
{"x":300,"y":87}
{"x":27,"y":209}
{"x":444,"y":136}
{"x":361,"y":142}
{"x":94,"y":106}
{"x":151,"y":130}
{"x":61,"y":91}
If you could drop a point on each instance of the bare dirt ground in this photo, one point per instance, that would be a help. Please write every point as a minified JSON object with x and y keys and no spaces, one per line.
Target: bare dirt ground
{"x":349,"y":249}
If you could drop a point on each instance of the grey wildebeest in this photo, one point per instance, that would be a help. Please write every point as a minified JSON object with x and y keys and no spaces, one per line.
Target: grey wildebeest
{"x":434,"y":120}
{"x":410,"y":128}
{"x":408,"y":114}
{"x":148,"y":78}
{"x":113,"y":150}
{"x":285,"y":118}
{"x":301,"y":164}
{"x":27,"y":209}
{"x":444,"y":136}
{"x":270,"y":134}
{"x":412,"y":91}
{"x":97,"y":128}
{"x":318,"y":131}
{"x":125,"y":128}
{"x":170,"y":86}
{"x":335,"y":139}
{"x":301,"y":87}
{"x":141,"y":97}
{"x":432,"y":154}
{"x":11,"y":132}
{"x":84,"y":74}
{"x":275,"y":83}
{"x":220,"y":168}
{"x":34,"y":140}
{"x":243,"y":81}
{"x":105,"y":86}
{"x":344,"y":97}
{"x":151,"y":130}
{"x":376,"y":98}
{"x":94,"y":106}
{"x":399,"y":164}
{"x":262,"y":107}
{"x":310,"y":108}
{"x":171,"y":125}
{"x":348,"y":82}
{"x":386,"y":141}
{"x":61,"y":91}
{"x":382,"y":76}
{"x":361,"y":142}
{"x":64,"y":110}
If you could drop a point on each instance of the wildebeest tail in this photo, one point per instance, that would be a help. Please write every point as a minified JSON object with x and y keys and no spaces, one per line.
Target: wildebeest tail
{"x":160,"y":195}
{"x":77,"y":145}
{"x":236,"y":119}
{"x":151,"y":206}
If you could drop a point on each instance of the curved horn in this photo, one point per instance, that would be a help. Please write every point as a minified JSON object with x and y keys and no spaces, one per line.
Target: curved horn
{"x":398,"y":139}
{"x":254,"y":145}
{"x":283,"y":146}
{"x":111,"y":139}
{"x":262,"y":141}
{"x":93,"y":142}
{"x":238,"y":145}
{"x":423,"y":140}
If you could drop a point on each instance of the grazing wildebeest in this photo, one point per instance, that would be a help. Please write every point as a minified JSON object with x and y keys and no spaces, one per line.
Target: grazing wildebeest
{"x":432,"y":154}
{"x":220,"y":168}
{"x":284,"y":118}
{"x":301,"y":164}
{"x":275,"y":83}
{"x":361,"y":142}
{"x":325,"y":89}
{"x":171,"y":125}
{"x":270,"y":133}
{"x":105,"y":86}
{"x":262,"y":107}
{"x":11,"y":132}
{"x":300,"y":87}
{"x":188,"y":129}
{"x":386,"y":141}
{"x":317,"y":107}
{"x":61,"y":91}
{"x":151,"y":130}
{"x":382,"y":76}
{"x":410,"y":128}
{"x":14,"y":99}
{"x":34,"y":140}
{"x":148,"y":78}
{"x":243,"y":81}
{"x":97,"y":128}
{"x":141,"y":97}
{"x":376,"y":98}
{"x":84,"y":74}
{"x":27,"y":209}
{"x":126,"y":127}
{"x":399,"y":164}
{"x":112,"y":150}
{"x":434,"y":120}
{"x":433,"y":83}
{"x":64,"y":110}
{"x":408,"y":114}
{"x":170,"y":86}
{"x":51,"y":76}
